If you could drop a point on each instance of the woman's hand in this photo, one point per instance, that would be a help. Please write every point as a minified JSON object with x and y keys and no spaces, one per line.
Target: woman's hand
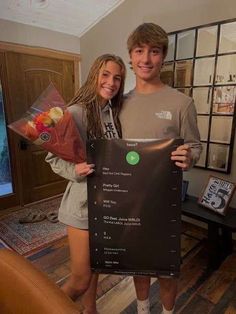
{"x":84,"y":169}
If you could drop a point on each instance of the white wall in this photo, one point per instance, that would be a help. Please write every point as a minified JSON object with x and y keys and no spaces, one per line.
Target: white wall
{"x":38,"y":37}
{"x":110,"y":35}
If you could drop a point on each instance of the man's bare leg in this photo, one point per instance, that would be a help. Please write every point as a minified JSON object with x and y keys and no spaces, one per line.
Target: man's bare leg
{"x":168,"y":292}
{"x":142,"y":288}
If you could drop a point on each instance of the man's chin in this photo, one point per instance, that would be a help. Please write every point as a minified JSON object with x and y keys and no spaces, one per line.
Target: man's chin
{"x":146,"y":78}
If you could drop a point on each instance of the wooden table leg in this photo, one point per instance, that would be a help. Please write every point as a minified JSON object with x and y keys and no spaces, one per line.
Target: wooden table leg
{"x":214,"y":247}
{"x":227,"y":242}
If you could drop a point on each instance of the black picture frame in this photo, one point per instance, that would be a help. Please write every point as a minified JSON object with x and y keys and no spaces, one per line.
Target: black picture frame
{"x":203,"y":65}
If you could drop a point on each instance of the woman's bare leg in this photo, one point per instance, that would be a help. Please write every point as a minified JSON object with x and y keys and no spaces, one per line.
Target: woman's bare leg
{"x":81,"y":276}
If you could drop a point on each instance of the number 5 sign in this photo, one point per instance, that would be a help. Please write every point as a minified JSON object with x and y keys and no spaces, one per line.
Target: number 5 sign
{"x":217,"y":194}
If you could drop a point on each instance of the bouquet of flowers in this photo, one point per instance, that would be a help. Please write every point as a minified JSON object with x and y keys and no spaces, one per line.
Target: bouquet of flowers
{"x":47,"y":123}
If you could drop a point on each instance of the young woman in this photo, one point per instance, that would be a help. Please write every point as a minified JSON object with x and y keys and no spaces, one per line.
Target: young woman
{"x":95,"y":109}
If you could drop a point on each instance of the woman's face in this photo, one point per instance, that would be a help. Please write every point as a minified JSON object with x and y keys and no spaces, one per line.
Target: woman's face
{"x":109,"y":80}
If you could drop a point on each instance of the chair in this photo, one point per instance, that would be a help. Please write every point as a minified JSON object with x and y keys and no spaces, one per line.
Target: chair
{"x":26,"y":290}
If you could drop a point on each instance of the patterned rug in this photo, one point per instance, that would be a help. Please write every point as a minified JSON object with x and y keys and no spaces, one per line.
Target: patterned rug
{"x":3,"y":245}
{"x":29,"y":237}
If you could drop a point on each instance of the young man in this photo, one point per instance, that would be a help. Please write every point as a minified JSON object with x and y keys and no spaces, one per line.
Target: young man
{"x":155,"y":110}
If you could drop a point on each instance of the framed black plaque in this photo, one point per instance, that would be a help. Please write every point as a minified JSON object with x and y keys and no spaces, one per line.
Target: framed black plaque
{"x":134,"y":200}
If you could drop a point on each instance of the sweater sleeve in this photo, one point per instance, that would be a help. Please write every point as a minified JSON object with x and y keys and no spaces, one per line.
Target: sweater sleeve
{"x":190,"y":132}
{"x":63,"y":168}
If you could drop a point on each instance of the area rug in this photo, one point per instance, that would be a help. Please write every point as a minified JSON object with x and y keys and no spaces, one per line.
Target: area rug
{"x":3,"y":245}
{"x":29,"y":237}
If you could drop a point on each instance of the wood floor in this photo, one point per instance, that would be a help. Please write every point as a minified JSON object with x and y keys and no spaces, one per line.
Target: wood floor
{"x":200,"y":290}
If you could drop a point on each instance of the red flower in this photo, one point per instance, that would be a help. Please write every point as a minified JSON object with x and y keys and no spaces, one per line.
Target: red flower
{"x":43,"y":122}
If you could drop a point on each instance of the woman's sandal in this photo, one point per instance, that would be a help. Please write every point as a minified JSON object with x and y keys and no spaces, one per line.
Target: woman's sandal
{"x":32,"y":217}
{"x":52,"y":217}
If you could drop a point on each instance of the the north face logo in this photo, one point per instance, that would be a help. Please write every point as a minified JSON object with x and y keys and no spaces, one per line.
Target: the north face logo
{"x":167,"y":115}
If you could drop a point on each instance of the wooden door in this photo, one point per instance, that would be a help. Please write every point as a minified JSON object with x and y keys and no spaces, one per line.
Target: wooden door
{"x":28,"y":76}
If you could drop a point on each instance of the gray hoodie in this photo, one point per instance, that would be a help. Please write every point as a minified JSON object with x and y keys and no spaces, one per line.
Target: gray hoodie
{"x":73,"y":210}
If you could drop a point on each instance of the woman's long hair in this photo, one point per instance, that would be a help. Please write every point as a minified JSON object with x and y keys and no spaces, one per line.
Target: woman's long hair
{"x":89,"y":98}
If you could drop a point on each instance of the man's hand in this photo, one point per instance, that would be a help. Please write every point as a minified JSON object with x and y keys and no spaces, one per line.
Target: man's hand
{"x":182,"y":156}
{"x":84,"y":169}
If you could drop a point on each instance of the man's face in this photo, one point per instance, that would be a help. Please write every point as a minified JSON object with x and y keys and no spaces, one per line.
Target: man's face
{"x":147,"y":61}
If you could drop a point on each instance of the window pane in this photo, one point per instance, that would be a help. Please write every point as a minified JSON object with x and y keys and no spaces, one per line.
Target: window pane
{"x":221,"y":129}
{"x":183,"y":73}
{"x":218,"y":157}
{"x":224,"y":99}
{"x":185,"y":44}
{"x":171,"y":48}
{"x":202,"y":99}
{"x":226,"y":70}
{"x":167,"y":73}
{"x":203,"y":126}
{"x":206,"y":41}
{"x":227,"y":37}
{"x":186,"y":91}
{"x":202,"y":160}
{"x":203,"y":73}
{"x":5,"y":172}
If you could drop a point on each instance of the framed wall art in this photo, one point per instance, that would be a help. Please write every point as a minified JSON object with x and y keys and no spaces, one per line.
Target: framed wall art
{"x":217,"y":194}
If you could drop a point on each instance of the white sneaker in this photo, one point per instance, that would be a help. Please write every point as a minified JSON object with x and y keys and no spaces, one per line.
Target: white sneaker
{"x":143,"y":309}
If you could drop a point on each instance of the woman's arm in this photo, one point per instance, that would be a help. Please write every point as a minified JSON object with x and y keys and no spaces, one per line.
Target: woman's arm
{"x":68,"y":170}
{"x":63,"y":168}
